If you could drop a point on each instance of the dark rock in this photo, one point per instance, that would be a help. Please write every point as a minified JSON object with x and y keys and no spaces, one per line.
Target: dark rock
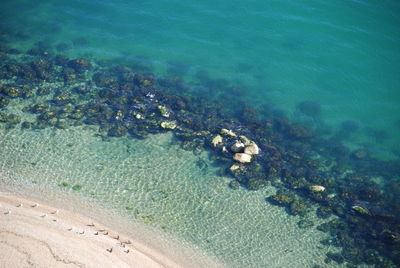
{"x":117,"y":131}
{"x":4,"y":102}
{"x":234,"y":185}
{"x":80,"y":65}
{"x":337,"y":257}
{"x":13,"y":92}
{"x":305,"y":224}
{"x":298,"y":207}
{"x":282,"y":198}
{"x":360,"y":154}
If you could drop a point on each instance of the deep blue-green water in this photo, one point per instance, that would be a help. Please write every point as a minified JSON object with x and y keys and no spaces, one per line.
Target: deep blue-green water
{"x":330,"y":65}
{"x":342,"y":55}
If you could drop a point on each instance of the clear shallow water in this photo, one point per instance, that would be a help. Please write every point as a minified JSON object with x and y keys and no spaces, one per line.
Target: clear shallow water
{"x":343,"y":56}
{"x":163,"y":187}
{"x":340,"y":57}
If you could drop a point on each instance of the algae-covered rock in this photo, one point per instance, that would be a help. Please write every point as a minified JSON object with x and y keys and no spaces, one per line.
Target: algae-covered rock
{"x":251,"y":149}
{"x":237,"y":147}
{"x":236,"y":169}
{"x":245,"y":140}
{"x":361,"y":210}
{"x":163,"y":111}
{"x":227,"y":132}
{"x":242,"y":158}
{"x":256,"y":184}
{"x":13,"y":92}
{"x":235,"y":185}
{"x":80,"y":65}
{"x":305,"y":224}
{"x":4,"y":102}
{"x":10,"y":119}
{"x":117,"y":131}
{"x":216,"y":140}
{"x":168,"y":125}
{"x":298,"y":207}
{"x":282,"y":199}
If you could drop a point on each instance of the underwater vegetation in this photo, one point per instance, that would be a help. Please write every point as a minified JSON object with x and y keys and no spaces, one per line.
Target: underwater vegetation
{"x":363,"y":217}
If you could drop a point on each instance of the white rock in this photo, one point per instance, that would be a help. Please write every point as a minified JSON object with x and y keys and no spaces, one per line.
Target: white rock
{"x":237,"y":147}
{"x":216,"y":140}
{"x":251,"y":149}
{"x":317,"y":188}
{"x":242,"y":158}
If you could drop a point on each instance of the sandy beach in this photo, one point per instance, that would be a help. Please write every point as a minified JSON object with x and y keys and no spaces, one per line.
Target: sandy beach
{"x":37,"y":235}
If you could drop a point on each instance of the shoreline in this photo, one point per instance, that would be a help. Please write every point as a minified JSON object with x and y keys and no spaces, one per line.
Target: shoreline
{"x":35,"y":233}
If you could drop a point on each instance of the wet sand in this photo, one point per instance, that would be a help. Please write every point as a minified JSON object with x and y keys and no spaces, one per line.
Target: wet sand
{"x":37,"y":235}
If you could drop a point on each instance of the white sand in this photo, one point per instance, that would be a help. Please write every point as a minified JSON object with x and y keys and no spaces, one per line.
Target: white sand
{"x":44,"y":236}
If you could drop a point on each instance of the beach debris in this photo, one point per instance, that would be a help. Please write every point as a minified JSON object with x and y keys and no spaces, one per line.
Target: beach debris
{"x":116,"y":237}
{"x":105,"y":233}
{"x":110,"y":250}
{"x":55,"y":212}
{"x":55,"y":220}
{"x":7,"y":212}
{"x":126,"y":251}
{"x":19,"y":205}
{"x":44,"y":215}
{"x":91,"y":224}
{"x":242,"y":157}
{"x":35,"y":205}
{"x":216,"y":140}
{"x":81,"y":232}
{"x":96,"y":233}
{"x":69,"y":229}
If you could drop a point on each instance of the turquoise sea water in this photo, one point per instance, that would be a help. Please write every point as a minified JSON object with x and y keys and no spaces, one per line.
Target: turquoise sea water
{"x":342,"y":55}
{"x":331,"y":65}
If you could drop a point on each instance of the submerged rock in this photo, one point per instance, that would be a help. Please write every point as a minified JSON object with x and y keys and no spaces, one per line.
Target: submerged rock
{"x":235,"y":185}
{"x":236,"y":169}
{"x":360,"y":210}
{"x":13,"y":92}
{"x":216,"y":140}
{"x":80,"y":65}
{"x":242,"y":157}
{"x":4,"y":102}
{"x":282,"y":199}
